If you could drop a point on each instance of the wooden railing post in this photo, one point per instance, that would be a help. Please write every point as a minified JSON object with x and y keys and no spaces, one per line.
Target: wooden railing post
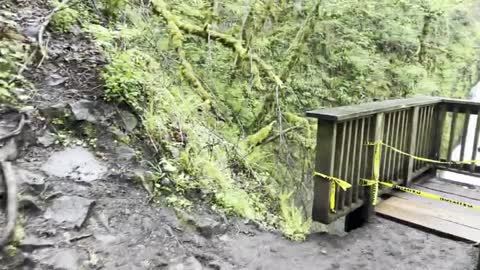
{"x":377,"y":136}
{"x":324,"y":163}
{"x":413,"y":126}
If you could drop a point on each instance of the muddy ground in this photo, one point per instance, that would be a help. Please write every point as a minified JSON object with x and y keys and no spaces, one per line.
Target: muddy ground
{"x":82,"y":207}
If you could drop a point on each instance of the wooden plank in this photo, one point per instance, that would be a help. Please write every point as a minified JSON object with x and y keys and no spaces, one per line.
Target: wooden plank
{"x":449,"y":188}
{"x":419,"y":214}
{"x":471,"y":216}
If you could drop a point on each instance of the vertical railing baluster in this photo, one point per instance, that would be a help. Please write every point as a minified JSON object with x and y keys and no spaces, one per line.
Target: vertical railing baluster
{"x":391,"y":141}
{"x":430,"y":131}
{"x":451,"y":140}
{"x":341,"y":149}
{"x":353,"y":180}
{"x":440,"y":115}
{"x":412,"y":143}
{"x":398,"y":137}
{"x":475,"y":143}
{"x":383,"y":169}
{"x":421,"y":136}
{"x":361,"y":149}
{"x":346,"y":169}
{"x":367,"y":152}
{"x":406,"y":132}
{"x":419,"y":132}
{"x":464,"y":135}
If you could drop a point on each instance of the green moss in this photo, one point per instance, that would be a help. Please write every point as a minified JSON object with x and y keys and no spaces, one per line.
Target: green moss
{"x":260,"y":135}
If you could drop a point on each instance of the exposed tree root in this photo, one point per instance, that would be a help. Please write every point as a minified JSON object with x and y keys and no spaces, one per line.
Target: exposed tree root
{"x":43,"y":26}
{"x":9,"y":182}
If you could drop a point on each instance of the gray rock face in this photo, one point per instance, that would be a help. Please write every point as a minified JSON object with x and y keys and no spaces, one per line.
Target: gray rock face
{"x":69,"y":211}
{"x":75,"y":163}
{"x":29,"y":181}
{"x":185,"y":263}
{"x":62,"y":259}
{"x":31,"y":243}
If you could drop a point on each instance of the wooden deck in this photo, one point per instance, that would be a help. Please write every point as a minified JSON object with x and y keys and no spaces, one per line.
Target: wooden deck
{"x":441,"y":217}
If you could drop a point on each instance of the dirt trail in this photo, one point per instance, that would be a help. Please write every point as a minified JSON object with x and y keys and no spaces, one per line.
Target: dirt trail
{"x":82,"y":208}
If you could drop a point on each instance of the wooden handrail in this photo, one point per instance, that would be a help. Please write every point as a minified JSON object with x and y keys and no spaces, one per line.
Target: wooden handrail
{"x":370,"y":108}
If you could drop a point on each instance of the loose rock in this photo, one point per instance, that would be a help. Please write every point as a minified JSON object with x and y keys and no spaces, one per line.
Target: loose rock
{"x":47,"y":139}
{"x":63,"y":259}
{"x":185,"y":263}
{"x":83,"y":110}
{"x":207,"y":226}
{"x":69,"y":211}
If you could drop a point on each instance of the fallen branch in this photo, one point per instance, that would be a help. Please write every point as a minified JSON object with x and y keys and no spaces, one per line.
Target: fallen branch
{"x":276,"y":136}
{"x":228,"y":41}
{"x":177,"y":41}
{"x":43,"y":26}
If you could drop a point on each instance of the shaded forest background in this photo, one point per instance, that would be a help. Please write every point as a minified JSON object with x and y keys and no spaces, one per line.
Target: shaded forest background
{"x":221,"y":87}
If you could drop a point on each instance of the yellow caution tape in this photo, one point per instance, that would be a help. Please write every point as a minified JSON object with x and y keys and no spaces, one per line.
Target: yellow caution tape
{"x":344,"y":185}
{"x":380,"y":143}
{"x":424,"y":194}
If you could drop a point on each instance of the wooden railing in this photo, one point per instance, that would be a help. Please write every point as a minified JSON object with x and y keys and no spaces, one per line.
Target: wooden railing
{"x":428,"y":127}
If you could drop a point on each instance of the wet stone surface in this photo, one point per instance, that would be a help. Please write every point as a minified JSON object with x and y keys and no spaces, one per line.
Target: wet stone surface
{"x":69,"y":211}
{"x":75,"y":163}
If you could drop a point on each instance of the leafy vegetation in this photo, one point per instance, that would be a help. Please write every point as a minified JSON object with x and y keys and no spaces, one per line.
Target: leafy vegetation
{"x":13,"y":54}
{"x":65,"y":18}
{"x":221,"y":87}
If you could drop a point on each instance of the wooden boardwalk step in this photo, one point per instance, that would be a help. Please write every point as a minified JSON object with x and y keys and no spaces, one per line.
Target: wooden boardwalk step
{"x":433,"y":215}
